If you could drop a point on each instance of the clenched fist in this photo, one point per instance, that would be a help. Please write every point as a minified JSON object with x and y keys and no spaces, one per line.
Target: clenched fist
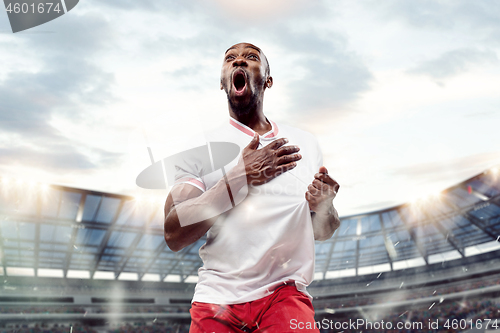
{"x":321,"y":192}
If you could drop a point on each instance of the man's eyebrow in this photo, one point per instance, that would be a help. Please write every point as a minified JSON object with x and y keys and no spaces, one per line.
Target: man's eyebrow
{"x":231,"y":48}
{"x":253,"y":47}
{"x":248,"y":46}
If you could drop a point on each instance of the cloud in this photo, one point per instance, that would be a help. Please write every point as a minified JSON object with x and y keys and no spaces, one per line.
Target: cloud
{"x":65,"y":80}
{"x":223,"y":11}
{"x":443,"y":14}
{"x":456,"y":168}
{"x":163,"y":56}
{"x":192,"y":78}
{"x":267,"y":12}
{"x":332,"y":76}
{"x":57,"y":157}
{"x":425,"y":13}
{"x":479,"y":17}
{"x":454,"y":62}
{"x":31,"y":99}
{"x":171,"y":6}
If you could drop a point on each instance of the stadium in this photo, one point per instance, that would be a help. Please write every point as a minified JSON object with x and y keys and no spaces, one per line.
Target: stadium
{"x":75,"y":260}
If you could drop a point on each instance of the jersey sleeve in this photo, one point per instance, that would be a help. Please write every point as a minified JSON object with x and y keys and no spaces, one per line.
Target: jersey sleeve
{"x":186,"y":175}
{"x":189,"y":165}
{"x":188,"y":168}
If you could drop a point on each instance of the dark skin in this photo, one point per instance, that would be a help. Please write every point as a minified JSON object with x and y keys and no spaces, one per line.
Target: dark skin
{"x":244,"y":77}
{"x":249,"y":60}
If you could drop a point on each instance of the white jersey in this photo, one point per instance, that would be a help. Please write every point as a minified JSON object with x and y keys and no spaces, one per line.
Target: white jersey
{"x":268,"y":238}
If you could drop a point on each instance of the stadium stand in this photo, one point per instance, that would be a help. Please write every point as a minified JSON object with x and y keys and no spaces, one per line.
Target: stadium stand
{"x":86,"y":261}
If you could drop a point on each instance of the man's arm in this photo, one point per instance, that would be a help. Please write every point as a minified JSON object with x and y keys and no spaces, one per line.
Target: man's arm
{"x":320,"y":194}
{"x":191,"y":203}
{"x":325,"y":224}
{"x":256,"y":167}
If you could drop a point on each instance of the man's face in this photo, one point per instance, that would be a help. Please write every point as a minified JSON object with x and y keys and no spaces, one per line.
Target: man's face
{"x":243,"y":76}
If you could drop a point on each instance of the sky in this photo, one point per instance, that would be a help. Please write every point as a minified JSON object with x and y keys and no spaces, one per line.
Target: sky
{"x":404,"y":97}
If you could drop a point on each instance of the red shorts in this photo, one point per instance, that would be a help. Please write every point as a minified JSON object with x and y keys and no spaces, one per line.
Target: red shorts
{"x":285,"y":310}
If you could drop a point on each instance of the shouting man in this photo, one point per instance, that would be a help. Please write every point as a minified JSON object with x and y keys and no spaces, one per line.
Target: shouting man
{"x":262,"y":216}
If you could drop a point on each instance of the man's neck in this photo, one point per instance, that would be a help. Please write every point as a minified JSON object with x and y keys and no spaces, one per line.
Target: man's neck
{"x":255,"y":120}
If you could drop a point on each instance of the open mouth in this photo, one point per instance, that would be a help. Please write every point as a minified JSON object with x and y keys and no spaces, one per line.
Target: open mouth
{"x":239,"y":82}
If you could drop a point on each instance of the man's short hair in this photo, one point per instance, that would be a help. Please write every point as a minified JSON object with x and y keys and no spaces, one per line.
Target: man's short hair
{"x":268,"y":68}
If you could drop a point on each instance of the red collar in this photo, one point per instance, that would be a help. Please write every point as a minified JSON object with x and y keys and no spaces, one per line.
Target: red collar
{"x":247,"y":130}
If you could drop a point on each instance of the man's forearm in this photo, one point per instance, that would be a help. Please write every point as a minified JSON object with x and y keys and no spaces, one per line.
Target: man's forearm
{"x":188,"y":219}
{"x":325,"y":222}
{"x":216,"y":199}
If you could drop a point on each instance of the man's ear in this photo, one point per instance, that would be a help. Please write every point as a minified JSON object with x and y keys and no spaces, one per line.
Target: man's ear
{"x":221,"y":87}
{"x":269,"y":82}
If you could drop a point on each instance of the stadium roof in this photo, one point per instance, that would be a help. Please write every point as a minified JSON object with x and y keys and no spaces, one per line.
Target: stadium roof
{"x":58,"y":231}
